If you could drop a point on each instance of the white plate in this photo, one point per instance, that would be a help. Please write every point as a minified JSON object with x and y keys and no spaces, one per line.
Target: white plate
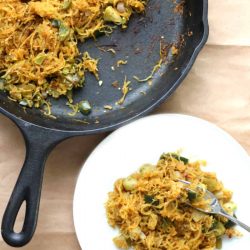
{"x":143,"y":141}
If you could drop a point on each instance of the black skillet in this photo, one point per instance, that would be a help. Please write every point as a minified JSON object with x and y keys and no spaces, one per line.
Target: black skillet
{"x":139,"y":45}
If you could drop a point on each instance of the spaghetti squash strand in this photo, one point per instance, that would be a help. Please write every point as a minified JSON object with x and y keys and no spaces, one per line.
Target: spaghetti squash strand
{"x":39,"y":56}
{"x":149,"y":207}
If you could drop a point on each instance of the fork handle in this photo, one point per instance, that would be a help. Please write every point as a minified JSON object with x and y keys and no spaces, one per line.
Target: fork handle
{"x":233,"y":219}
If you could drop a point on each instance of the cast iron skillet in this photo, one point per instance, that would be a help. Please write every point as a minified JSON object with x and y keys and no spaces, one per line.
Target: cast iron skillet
{"x":139,"y":45}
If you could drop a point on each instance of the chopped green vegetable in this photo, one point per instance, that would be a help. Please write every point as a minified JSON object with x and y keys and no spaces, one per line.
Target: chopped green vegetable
{"x":230,"y":207}
{"x":129,"y":183}
{"x":112,"y":15}
{"x":197,"y":215}
{"x":192,"y":195}
{"x":146,"y":168}
{"x":180,"y":158}
{"x":151,"y":200}
{"x":66,"y":4}
{"x":85,"y":107}
{"x":39,"y":59}
{"x":214,"y":225}
{"x":65,"y":71}
{"x":2,"y":82}
{"x":163,"y":156}
{"x":64,"y":32}
{"x":229,"y":223}
{"x":176,"y":156}
{"x":55,"y":23}
{"x":219,"y":229}
{"x":219,"y":243}
{"x":183,"y":159}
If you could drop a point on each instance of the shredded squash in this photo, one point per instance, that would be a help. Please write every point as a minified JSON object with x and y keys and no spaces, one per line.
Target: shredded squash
{"x":39,"y":56}
{"x":150,"y":207}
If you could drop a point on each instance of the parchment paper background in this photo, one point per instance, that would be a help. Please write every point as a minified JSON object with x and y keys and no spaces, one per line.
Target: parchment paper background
{"x":217,"y":89}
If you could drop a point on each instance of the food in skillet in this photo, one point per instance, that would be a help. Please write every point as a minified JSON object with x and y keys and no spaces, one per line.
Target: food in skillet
{"x":150,"y":207}
{"x":38,"y":44}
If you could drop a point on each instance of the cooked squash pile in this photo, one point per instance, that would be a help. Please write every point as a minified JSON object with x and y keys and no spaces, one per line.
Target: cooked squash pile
{"x":150,"y":207}
{"x":39,"y":56}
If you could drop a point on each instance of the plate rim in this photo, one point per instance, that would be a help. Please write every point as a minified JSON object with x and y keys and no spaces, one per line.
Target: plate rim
{"x":172,"y":115}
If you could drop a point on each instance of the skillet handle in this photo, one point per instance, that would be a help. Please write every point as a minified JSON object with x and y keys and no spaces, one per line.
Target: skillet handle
{"x":39,"y":143}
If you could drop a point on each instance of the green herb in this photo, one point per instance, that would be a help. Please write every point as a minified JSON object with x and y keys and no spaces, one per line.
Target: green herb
{"x":85,"y":107}
{"x":151,"y":200}
{"x":192,"y":195}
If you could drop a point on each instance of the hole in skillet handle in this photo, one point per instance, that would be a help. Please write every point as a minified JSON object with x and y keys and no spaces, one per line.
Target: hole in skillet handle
{"x":18,"y":226}
{"x":39,"y":142}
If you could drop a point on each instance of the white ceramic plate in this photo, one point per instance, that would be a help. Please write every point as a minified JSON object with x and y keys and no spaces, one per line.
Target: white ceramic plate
{"x":143,"y":141}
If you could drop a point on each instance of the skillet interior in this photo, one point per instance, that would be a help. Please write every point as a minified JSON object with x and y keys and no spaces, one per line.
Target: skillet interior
{"x":143,"y":35}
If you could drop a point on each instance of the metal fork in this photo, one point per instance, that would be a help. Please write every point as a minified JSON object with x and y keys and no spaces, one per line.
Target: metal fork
{"x":215,"y":207}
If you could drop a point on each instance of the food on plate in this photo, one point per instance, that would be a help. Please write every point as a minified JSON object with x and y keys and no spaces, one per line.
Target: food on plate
{"x":39,"y":56}
{"x":150,"y":207}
